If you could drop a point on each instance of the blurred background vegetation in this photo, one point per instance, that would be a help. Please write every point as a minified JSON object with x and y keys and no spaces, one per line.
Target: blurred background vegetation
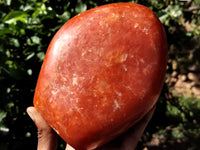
{"x":26,"y":29}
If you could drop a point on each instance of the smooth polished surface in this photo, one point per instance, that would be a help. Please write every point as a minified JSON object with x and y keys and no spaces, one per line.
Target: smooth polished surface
{"x":103,"y":71}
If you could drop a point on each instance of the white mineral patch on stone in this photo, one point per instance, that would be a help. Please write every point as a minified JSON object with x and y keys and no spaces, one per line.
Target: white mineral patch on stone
{"x":125,"y":68}
{"x":124,"y":57}
{"x":118,"y":93}
{"x":136,"y":25}
{"x":54,"y":92}
{"x":75,"y":81}
{"x":145,"y":30}
{"x":117,"y":105}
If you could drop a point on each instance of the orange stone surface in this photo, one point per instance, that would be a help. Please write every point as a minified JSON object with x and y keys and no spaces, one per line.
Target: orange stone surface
{"x":103,"y":71}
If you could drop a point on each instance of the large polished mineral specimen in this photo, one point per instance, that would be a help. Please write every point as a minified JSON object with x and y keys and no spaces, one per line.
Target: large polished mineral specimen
{"x":103,"y":71}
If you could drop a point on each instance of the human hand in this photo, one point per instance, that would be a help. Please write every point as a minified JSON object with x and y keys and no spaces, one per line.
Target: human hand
{"x":47,"y":138}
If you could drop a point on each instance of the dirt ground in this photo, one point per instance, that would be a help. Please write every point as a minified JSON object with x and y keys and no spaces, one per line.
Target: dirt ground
{"x":186,"y":83}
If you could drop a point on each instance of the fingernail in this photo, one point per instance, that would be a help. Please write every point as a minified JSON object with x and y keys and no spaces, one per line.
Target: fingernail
{"x":30,"y":114}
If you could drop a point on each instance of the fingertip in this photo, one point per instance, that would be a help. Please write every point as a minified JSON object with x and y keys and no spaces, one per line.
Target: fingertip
{"x":68,"y":147}
{"x":30,"y":112}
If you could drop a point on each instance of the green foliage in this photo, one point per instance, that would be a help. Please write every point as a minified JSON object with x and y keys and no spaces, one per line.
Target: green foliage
{"x":27,"y":27}
{"x":185,"y":114}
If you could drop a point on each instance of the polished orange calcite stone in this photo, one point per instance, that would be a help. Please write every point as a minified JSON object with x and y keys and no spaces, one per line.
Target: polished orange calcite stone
{"x":103,"y":71}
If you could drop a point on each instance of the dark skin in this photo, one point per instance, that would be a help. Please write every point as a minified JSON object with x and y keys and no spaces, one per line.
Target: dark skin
{"x":47,"y":138}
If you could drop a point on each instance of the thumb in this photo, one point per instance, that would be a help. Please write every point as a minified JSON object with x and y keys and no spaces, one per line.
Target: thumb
{"x":47,"y":138}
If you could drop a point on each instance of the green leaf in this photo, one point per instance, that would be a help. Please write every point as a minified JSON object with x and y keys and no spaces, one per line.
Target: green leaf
{"x":65,"y":16}
{"x":14,"y":42}
{"x":39,"y":10}
{"x":7,"y":2}
{"x":2,"y":115}
{"x":163,"y":18}
{"x":41,"y":56}
{"x":15,"y":16}
{"x":177,"y":133}
{"x":29,"y":72}
{"x":35,"y":39}
{"x":30,"y":56}
{"x":81,"y":7}
{"x":5,"y":31}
